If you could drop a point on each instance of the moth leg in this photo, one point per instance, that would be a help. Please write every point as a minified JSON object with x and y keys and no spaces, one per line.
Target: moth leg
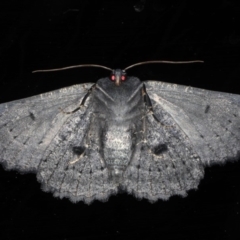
{"x":158,"y":150}
{"x":147,"y":100}
{"x":80,"y":151}
{"x":76,"y":160}
{"x":82,"y":102}
{"x":90,"y":142}
{"x":148,"y":103}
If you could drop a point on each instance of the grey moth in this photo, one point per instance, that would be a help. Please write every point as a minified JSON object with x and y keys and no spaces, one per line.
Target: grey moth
{"x":151,"y":139}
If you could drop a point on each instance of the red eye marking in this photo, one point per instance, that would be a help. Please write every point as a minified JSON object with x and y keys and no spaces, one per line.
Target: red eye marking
{"x":113,"y":77}
{"x":123,"y":78}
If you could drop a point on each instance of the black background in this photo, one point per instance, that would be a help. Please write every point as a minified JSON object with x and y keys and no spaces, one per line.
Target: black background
{"x":49,"y":34}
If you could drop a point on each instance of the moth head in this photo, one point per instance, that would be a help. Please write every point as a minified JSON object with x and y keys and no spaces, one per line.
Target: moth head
{"x":118,"y":76}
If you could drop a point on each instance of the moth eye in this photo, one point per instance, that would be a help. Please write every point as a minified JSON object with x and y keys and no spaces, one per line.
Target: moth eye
{"x":123,"y":78}
{"x":113,"y":77}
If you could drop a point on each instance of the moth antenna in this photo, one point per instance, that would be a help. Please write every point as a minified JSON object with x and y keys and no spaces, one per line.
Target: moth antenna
{"x":74,"y":66}
{"x":163,"y":61}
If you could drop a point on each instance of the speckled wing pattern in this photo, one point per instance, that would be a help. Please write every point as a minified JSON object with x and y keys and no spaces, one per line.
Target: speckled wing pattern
{"x":37,"y":135}
{"x":188,"y":129}
{"x":196,"y":128}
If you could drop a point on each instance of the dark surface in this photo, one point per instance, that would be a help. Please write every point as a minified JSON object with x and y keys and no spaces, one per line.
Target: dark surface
{"x":49,"y":34}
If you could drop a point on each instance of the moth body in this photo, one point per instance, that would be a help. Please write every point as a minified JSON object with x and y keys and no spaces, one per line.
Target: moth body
{"x":153,"y":139}
{"x":118,"y":123}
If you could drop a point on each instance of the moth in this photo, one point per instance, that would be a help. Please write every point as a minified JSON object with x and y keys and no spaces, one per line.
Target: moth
{"x":151,"y":139}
